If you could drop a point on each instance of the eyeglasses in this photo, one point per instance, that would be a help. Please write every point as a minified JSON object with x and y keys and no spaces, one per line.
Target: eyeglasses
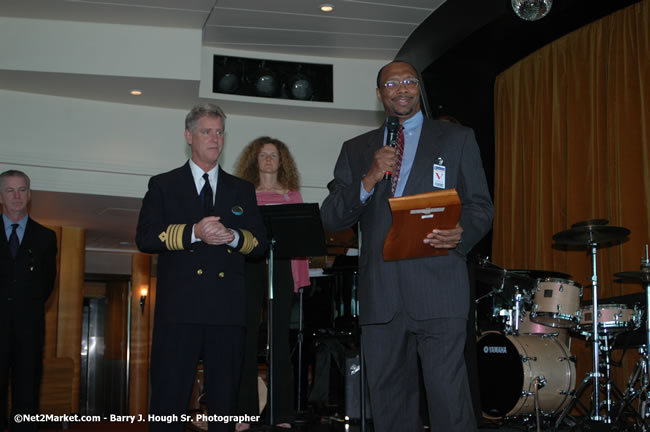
{"x":263,"y":156}
{"x":409,"y":83}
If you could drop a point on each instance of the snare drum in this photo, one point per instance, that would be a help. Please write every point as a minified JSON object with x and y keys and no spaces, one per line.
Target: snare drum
{"x":556,"y":303}
{"x":613,"y":318}
{"x":510,"y":367}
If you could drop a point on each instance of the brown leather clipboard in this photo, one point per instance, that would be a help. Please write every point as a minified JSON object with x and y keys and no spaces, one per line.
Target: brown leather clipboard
{"x":415,"y":216}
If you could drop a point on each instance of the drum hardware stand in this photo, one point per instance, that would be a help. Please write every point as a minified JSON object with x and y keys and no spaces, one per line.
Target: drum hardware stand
{"x":641,"y":372}
{"x":540,"y":382}
{"x":518,"y":314}
{"x":592,"y":233}
{"x":494,"y":289}
{"x":596,"y":342}
{"x":610,"y":388}
{"x":595,"y":375}
{"x":513,"y":315}
{"x":645,"y":266}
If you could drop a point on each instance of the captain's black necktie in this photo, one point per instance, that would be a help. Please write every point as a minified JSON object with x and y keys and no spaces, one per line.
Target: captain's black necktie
{"x":14,"y":243}
{"x":206,"y":196}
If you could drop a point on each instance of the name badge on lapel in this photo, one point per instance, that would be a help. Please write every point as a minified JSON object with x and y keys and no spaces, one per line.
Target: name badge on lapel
{"x":439,"y":176}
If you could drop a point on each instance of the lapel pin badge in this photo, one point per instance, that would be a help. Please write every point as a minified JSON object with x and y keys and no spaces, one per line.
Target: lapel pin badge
{"x":237,"y":211}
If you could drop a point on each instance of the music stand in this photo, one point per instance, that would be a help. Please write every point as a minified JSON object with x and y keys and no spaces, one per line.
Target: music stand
{"x":293,"y":230}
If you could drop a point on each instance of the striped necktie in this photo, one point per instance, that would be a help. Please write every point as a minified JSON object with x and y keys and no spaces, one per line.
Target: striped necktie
{"x":399,"y":151}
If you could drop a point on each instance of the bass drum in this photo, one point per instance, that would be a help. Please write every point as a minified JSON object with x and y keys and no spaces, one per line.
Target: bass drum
{"x":509,"y":367}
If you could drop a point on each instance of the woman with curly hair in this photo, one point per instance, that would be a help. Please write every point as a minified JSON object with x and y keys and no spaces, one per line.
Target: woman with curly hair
{"x":267,"y":163}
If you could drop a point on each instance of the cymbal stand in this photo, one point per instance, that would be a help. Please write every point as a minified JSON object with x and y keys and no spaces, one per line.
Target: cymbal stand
{"x":612,"y":392}
{"x":608,"y":385}
{"x":596,"y":340}
{"x":494,"y":290}
{"x":595,"y":375}
{"x":640,"y":375}
{"x":645,"y":264}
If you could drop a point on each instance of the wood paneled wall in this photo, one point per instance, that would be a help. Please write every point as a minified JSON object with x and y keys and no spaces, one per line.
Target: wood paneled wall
{"x":52,"y":306}
{"x":140,"y":335}
{"x":71,"y":282}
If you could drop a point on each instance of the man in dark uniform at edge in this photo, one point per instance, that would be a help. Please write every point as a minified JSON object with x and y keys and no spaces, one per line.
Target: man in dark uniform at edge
{"x":27,"y":277}
{"x":200,"y":296}
{"x":412,"y":307}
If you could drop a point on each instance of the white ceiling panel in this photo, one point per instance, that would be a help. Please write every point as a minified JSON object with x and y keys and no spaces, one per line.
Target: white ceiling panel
{"x":191,"y":5}
{"x":422,"y":4}
{"x":265,"y":20}
{"x":315,"y":39}
{"x":295,"y":10}
{"x":127,"y":13}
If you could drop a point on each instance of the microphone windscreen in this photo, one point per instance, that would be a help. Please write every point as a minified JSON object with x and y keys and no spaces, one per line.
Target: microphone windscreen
{"x":392,"y":124}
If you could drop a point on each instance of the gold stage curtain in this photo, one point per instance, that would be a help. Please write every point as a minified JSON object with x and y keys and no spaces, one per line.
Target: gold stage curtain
{"x":572,"y":138}
{"x":572,"y":142}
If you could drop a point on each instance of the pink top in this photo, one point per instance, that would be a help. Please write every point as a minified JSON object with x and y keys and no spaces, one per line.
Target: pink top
{"x":299,"y":266}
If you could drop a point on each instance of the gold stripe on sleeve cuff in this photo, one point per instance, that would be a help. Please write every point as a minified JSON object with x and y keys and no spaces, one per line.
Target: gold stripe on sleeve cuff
{"x":250,"y":242}
{"x":173,"y":237}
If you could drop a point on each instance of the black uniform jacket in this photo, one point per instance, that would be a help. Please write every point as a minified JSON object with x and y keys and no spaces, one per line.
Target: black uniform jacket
{"x":199,"y":283}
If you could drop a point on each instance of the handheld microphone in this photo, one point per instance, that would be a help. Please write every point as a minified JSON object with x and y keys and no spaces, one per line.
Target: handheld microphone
{"x":392,"y":126}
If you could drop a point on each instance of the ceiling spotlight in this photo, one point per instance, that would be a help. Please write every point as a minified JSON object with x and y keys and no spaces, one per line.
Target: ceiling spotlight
{"x":531,"y":10}
{"x":135,"y":92}
{"x":300,"y":86}
{"x":326,"y":7}
{"x":266,"y":84}
{"x":227,"y":76}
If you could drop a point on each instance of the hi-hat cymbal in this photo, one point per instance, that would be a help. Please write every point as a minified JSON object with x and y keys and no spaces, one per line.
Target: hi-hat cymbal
{"x":587,"y":234}
{"x":637,"y":276}
{"x":590,"y":222}
{"x":496,"y":276}
{"x":541,"y":274}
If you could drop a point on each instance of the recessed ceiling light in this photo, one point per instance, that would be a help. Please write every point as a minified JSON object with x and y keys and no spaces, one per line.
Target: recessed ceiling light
{"x":136,"y":92}
{"x":326,"y":7}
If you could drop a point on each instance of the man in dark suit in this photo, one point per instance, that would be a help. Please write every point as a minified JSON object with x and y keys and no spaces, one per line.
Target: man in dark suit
{"x":202,"y":222}
{"x":27,"y":276}
{"x":412,"y":307}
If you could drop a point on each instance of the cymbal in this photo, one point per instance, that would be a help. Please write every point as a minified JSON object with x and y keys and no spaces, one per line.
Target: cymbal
{"x":586,"y":234}
{"x":496,"y":276}
{"x":541,"y":274}
{"x":638,"y":276}
{"x":590,"y":222}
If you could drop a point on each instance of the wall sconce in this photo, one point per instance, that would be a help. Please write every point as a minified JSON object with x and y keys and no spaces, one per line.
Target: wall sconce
{"x":143,"y":298}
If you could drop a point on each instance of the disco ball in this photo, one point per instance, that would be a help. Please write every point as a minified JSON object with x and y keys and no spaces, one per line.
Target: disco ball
{"x":531,"y":10}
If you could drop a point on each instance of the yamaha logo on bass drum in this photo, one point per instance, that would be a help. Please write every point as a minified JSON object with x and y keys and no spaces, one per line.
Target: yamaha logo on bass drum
{"x":495,"y":350}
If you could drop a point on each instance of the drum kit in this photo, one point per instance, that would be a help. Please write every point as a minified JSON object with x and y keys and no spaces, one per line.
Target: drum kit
{"x":525,"y":364}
